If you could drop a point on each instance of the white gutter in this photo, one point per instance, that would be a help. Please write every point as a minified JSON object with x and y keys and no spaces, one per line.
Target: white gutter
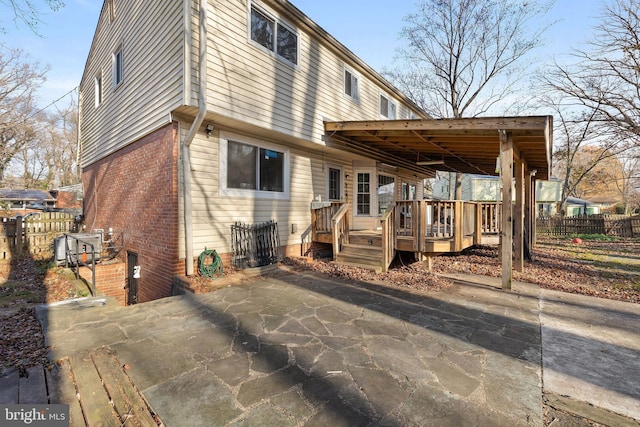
{"x":186,"y":153}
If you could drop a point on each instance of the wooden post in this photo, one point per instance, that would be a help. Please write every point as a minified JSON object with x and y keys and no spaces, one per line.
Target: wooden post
{"x":529,"y":209}
{"x":18,"y":240}
{"x":506,"y":172}
{"x":477,"y":233}
{"x":458,"y":231}
{"x":519,"y":216}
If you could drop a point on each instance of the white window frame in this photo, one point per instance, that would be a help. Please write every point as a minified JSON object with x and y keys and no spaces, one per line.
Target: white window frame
{"x":377,"y":190}
{"x":253,"y":194}
{"x":341,"y":183}
{"x":118,"y":67}
{"x":390,"y":103}
{"x":98,"y":92}
{"x":354,"y":77}
{"x":277,"y":22}
{"x":373,"y":184}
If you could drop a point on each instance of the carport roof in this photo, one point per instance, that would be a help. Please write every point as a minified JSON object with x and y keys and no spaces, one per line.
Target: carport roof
{"x":467,"y":145}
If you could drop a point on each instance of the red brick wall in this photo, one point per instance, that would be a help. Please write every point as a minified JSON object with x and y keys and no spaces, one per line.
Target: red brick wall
{"x":110,"y":280}
{"x":135,"y":192}
{"x":67,"y":199}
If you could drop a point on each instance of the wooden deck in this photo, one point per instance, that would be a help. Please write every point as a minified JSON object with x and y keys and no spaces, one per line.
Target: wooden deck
{"x":425,"y":227}
{"x":93,"y":384}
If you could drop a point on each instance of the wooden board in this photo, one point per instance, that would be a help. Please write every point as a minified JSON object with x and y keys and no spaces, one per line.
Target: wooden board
{"x":63,"y":390}
{"x":93,"y":397}
{"x":126,"y":399}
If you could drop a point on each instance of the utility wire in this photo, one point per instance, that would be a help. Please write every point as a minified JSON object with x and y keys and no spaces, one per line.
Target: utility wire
{"x":35,"y":113}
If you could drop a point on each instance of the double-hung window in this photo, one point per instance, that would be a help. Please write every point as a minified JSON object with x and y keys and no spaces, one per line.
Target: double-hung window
{"x":351,"y":88}
{"x":275,"y":36}
{"x":388,"y":108}
{"x":251,"y":168}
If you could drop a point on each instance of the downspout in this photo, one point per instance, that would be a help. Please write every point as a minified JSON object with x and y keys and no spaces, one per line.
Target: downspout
{"x":186,"y":153}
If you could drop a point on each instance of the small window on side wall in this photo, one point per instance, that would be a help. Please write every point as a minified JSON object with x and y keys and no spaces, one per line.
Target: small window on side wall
{"x":118,"y":67}
{"x":98,"y":90}
{"x":351,"y":87}
{"x":388,"y":108}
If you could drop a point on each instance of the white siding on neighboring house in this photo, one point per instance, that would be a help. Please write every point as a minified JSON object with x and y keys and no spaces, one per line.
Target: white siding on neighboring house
{"x":150,"y":36}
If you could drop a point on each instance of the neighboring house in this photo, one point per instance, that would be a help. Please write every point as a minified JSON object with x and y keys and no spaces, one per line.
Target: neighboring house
{"x":549,"y":196}
{"x":69,"y":198}
{"x":180,"y":139}
{"x":19,"y":202}
{"x":478,"y":188}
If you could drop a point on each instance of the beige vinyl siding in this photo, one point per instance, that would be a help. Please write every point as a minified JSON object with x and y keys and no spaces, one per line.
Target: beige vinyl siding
{"x":250,"y":85}
{"x":151,"y":37}
{"x":213,"y":214}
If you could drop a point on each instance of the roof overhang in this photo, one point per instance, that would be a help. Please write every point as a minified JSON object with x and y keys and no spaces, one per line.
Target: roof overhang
{"x":467,"y":145}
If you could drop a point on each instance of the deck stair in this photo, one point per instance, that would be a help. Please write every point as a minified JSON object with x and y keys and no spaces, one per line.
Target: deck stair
{"x":364,"y":250}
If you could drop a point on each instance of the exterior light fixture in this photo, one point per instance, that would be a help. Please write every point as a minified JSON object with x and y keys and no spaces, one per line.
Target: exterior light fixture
{"x":209,"y":129}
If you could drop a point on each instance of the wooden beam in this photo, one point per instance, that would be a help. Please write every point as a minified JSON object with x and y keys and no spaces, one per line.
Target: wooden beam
{"x":506,"y":172}
{"x":519,"y":216}
{"x":465,"y":124}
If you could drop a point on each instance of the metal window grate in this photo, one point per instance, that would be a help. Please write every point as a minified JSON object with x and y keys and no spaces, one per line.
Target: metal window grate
{"x":255,"y":245}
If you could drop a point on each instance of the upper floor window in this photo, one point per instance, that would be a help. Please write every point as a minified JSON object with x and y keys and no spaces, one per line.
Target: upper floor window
{"x":98,"y":90}
{"x":351,"y":87}
{"x":274,"y":35}
{"x":388,"y":108}
{"x":118,"y":69}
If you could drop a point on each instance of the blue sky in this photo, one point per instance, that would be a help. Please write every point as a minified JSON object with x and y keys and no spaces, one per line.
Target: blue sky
{"x":369,"y":28}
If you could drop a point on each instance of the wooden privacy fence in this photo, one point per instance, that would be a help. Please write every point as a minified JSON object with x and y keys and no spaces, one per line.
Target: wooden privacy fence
{"x":255,"y":245}
{"x":34,"y":234}
{"x":613,"y":225}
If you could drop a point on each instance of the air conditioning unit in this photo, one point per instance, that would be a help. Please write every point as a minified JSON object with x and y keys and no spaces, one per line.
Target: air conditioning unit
{"x":78,"y":248}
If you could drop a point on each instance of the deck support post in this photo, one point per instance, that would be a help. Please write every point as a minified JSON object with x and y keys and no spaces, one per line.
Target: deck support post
{"x":519,"y":216}
{"x":529,"y":211}
{"x":506,"y":173}
{"x":477,"y":233}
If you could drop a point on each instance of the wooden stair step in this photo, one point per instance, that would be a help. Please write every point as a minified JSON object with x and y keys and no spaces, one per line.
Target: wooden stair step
{"x":374,"y":268}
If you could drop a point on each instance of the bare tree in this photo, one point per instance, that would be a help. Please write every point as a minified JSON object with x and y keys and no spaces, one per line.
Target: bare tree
{"x":49,"y":161}
{"x":463,"y":56}
{"x":28,"y":12}
{"x":582,"y":150}
{"x":605,"y":78}
{"x":628,"y":183}
{"x":19,"y":81}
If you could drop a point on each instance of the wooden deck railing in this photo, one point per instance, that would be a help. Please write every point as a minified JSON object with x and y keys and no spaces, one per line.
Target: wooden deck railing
{"x":387,"y":223}
{"x":422,"y":226}
{"x":321,"y":219}
{"x":340,"y":229}
{"x":491,"y":217}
